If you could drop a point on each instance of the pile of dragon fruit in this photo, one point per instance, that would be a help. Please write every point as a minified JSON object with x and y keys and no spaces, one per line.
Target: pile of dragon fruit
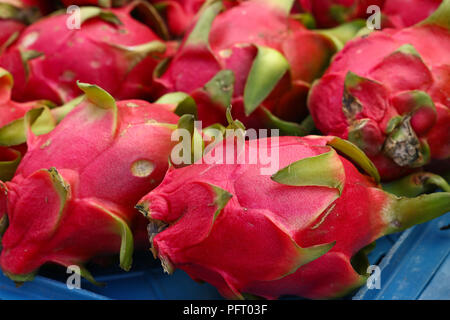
{"x":94,"y":94}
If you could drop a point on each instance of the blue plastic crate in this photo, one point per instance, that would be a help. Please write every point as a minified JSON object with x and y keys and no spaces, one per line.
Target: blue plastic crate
{"x":414,"y":265}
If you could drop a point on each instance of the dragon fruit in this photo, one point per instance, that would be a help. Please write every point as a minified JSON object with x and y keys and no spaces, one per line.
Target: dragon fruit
{"x":389,"y":94}
{"x":111,"y":49}
{"x":252,"y":56}
{"x":303,"y":230}
{"x":12,"y":133}
{"x":73,"y":195}
{"x":395,"y":13}
{"x":15,"y":15}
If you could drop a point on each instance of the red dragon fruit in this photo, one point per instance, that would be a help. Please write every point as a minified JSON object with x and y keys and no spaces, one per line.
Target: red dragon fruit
{"x":72,"y":197}
{"x":251,"y":55}
{"x":395,"y":13}
{"x":15,"y":15}
{"x":304,"y":230}
{"x":12,"y":130}
{"x":389,"y":94}
{"x":111,"y":49}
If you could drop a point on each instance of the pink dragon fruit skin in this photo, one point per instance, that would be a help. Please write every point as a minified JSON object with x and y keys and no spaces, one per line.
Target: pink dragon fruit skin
{"x":404,"y":13}
{"x":110,"y":40}
{"x":9,"y":27}
{"x":251,"y":55}
{"x":388,"y":93}
{"x":72,"y":197}
{"x":395,"y":13}
{"x":301,"y":231}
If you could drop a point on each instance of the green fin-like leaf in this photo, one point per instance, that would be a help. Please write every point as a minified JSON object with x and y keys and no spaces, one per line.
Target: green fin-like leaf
{"x":416,"y":184}
{"x":184,"y":103}
{"x":85,"y":273}
{"x":6,"y":75}
{"x":200,"y":34}
{"x":416,"y":100}
{"x":19,"y":279}
{"x":26,"y":57}
{"x":3,"y":226}
{"x":441,"y":17}
{"x":393,"y":123}
{"x":343,"y":33}
{"x":284,"y":6}
{"x":62,"y":188}
{"x":161,"y":67}
{"x":148,"y":14}
{"x":324,"y":170}
{"x":135,"y":54}
{"x":221,"y":199}
{"x":307,"y":255}
{"x":105,"y":3}
{"x":98,"y":96}
{"x":101,"y":99}
{"x":357,"y":155}
{"x":421,"y":100}
{"x":220,"y":88}
{"x":407,"y":212}
{"x":8,"y":11}
{"x":61,"y":112}
{"x":39,"y":121}
{"x":187,"y":122}
{"x":267,"y":70}
{"x":211,"y":132}
{"x":127,"y":243}
{"x":306,"y":19}
{"x":9,"y":41}
{"x":288,"y":128}
{"x":233,"y":124}
{"x":44,"y":123}
{"x":88,"y":13}
{"x":408,"y":49}
{"x":13,"y":133}
{"x":198,"y":145}
{"x":8,"y":168}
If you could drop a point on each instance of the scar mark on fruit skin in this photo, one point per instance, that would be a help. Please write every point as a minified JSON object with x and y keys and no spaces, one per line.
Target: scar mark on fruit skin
{"x":324,"y":217}
{"x":46,"y":144}
{"x":142,"y":168}
{"x":132,"y":105}
{"x":95,"y":64}
{"x":30,"y":39}
{"x":68,"y":75}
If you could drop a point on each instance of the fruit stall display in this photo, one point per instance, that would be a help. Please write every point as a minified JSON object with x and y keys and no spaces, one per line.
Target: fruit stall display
{"x":94,"y":96}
